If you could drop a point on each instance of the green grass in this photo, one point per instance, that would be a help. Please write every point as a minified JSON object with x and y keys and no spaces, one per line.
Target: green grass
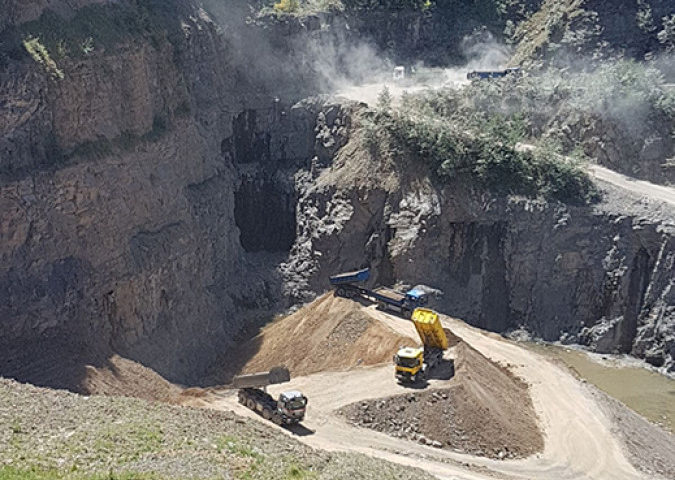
{"x":137,"y":439}
{"x":292,"y":472}
{"x":295,"y":472}
{"x":13,"y":473}
{"x":235,"y":446}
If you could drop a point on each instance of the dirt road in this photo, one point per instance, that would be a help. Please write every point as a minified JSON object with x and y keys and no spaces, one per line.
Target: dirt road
{"x":578,"y":439}
{"x":647,"y":190}
{"x":641,"y":187}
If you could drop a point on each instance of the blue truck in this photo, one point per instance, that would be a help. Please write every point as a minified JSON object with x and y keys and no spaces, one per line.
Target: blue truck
{"x":350,"y":285}
{"x":486,"y":74}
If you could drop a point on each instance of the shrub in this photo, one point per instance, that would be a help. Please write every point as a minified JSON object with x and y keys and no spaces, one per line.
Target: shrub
{"x":667,"y":36}
{"x":470,"y":134}
{"x":40,"y":54}
{"x":287,"y":6}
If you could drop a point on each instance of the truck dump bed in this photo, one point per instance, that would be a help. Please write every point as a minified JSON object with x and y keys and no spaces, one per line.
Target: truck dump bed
{"x":256,"y":380}
{"x":429,"y":328}
{"x":390,"y":294}
{"x":357,"y":276}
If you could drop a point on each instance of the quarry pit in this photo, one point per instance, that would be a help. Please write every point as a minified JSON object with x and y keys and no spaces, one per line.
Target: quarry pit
{"x":179,"y":180}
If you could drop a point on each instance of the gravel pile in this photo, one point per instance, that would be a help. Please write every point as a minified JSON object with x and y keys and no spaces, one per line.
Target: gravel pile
{"x":429,"y":418}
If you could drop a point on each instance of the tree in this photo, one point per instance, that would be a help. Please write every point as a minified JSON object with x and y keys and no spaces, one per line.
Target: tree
{"x":667,"y":35}
{"x":384,"y":100}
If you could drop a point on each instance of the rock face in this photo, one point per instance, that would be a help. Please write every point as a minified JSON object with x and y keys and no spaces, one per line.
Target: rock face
{"x":16,"y":12}
{"x":592,"y":27}
{"x":145,"y":201}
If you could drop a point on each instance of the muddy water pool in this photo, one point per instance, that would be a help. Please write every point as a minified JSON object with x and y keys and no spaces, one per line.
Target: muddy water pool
{"x":650,"y":394}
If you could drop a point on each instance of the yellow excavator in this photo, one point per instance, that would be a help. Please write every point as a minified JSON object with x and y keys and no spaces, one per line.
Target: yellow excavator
{"x":413,"y":364}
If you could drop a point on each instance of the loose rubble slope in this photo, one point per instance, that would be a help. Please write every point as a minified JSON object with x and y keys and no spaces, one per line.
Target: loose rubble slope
{"x":85,"y":369}
{"x":124,"y":377}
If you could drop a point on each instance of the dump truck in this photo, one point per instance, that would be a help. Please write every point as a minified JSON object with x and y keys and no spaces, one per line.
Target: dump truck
{"x":349,"y":285}
{"x":288,"y":409}
{"x":487,"y":74}
{"x":404,"y":72}
{"x":413,"y":364}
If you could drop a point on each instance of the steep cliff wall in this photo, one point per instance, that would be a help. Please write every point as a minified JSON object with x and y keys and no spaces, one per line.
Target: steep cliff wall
{"x":563,"y":31}
{"x":16,"y":12}
{"x":146,"y":194}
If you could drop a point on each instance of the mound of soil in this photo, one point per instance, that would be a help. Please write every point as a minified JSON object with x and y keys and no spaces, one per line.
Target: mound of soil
{"x":60,"y":364}
{"x":486,"y":411}
{"x":329,"y":334}
{"x":124,"y":377}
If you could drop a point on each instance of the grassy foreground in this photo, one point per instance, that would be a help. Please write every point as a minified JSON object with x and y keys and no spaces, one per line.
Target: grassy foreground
{"x":47,"y":435}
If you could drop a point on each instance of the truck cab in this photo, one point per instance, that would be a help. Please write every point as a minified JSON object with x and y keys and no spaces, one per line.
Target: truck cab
{"x":292,"y":405}
{"x":416,"y":298}
{"x":409,"y":363}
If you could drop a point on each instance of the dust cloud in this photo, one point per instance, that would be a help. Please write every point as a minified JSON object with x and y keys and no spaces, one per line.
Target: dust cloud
{"x":481,"y":49}
{"x":335,"y":61}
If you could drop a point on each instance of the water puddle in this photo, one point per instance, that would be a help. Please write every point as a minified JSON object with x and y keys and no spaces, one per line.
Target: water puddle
{"x":650,"y":394}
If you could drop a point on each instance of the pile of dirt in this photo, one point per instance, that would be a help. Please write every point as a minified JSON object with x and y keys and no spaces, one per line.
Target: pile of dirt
{"x":329,"y":334}
{"x":126,"y":378}
{"x":58,"y":364}
{"x":485,"y":411}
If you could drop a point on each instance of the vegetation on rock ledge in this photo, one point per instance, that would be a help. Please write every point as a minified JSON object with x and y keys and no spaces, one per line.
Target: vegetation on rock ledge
{"x":461,"y":142}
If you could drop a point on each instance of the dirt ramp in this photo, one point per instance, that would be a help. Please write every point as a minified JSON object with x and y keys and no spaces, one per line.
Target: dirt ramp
{"x":330,"y":333}
{"x":485,"y":411}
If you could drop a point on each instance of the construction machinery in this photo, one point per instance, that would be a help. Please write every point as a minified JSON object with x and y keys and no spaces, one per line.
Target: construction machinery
{"x":404,"y":72}
{"x":288,"y":409}
{"x":349,"y":285}
{"x":484,"y":75}
{"x":413,"y":364}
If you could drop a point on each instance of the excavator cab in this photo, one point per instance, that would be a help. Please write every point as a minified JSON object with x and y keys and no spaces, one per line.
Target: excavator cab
{"x":409,"y":364}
